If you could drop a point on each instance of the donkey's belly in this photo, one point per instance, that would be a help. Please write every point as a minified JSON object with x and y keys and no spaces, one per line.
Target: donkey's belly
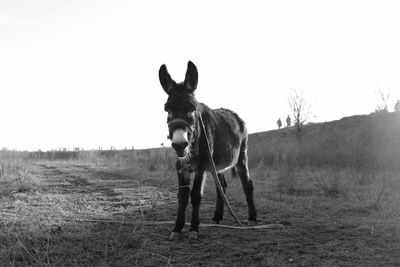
{"x":225,"y":160}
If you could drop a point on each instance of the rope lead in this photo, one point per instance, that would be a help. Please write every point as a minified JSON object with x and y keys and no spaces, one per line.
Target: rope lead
{"x":214,"y":172}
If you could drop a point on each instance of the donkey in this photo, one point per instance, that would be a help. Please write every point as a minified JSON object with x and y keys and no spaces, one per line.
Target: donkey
{"x":227,"y":136}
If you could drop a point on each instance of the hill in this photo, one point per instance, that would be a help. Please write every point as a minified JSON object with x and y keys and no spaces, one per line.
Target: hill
{"x":370,"y":142}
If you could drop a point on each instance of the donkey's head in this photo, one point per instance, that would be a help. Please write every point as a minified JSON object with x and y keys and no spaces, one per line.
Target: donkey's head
{"x":181,"y":107}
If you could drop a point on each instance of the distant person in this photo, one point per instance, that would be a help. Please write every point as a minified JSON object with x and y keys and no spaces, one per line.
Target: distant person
{"x":279,"y":123}
{"x":397,"y":106}
{"x":288,"y":121}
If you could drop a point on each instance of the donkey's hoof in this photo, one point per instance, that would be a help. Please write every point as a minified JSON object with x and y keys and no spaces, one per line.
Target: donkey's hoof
{"x":214,"y":221}
{"x":193,"y":235}
{"x":174,"y":236}
{"x":251,"y":223}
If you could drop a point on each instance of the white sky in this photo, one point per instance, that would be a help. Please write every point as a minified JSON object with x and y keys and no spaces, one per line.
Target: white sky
{"x":85,"y":73}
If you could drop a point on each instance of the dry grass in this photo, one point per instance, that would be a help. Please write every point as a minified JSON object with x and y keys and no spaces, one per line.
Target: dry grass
{"x":15,"y":173}
{"x":287,"y":172}
{"x":146,"y":159}
{"x":51,"y":226}
{"x":331,"y":182}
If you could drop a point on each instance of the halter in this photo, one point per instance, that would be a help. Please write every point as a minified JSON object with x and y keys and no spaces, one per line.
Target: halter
{"x":180,"y":122}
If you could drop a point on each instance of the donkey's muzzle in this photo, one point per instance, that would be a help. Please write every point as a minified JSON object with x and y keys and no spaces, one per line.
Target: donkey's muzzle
{"x":180,"y":142}
{"x":180,"y":148}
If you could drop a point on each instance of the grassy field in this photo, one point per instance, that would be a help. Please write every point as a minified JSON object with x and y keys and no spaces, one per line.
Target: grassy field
{"x":83,"y":208}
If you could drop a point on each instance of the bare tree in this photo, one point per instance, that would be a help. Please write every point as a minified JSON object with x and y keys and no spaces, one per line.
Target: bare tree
{"x":382,"y":98}
{"x":300,"y":109}
{"x":279,"y":123}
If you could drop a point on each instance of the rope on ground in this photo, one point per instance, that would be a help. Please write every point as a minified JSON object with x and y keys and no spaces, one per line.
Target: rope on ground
{"x":273,"y":226}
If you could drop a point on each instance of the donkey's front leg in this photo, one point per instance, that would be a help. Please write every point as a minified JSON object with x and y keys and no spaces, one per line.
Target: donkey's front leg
{"x":196,"y":196}
{"x":183,"y":197}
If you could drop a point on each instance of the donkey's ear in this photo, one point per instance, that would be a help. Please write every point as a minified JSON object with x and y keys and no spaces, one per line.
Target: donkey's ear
{"x":191,"y":77}
{"x":165,"y":79}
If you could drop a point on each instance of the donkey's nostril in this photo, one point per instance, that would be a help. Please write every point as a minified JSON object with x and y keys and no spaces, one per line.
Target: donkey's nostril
{"x":181,"y":146}
{"x":184,"y":145}
{"x":175,"y":146}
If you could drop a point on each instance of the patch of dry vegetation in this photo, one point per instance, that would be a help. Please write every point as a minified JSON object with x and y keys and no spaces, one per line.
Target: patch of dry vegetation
{"x":66,"y":222}
{"x":15,"y":173}
{"x":146,"y":159}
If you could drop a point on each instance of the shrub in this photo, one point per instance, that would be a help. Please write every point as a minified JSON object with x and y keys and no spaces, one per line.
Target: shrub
{"x":330,"y":182}
{"x":287,"y":165}
{"x":14,"y":172}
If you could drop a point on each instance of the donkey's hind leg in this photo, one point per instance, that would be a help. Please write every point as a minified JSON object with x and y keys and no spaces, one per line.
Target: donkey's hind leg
{"x":247,"y":184}
{"x":219,"y":205}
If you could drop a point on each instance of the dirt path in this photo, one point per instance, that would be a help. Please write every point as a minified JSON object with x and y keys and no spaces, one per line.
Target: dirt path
{"x":109,"y":194}
{"x":44,"y":227}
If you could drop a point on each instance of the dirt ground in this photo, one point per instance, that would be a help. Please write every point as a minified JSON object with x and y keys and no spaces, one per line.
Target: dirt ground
{"x":83,"y":215}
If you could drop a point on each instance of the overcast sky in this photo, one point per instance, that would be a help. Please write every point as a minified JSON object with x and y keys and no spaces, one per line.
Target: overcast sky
{"x":85,"y":73}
